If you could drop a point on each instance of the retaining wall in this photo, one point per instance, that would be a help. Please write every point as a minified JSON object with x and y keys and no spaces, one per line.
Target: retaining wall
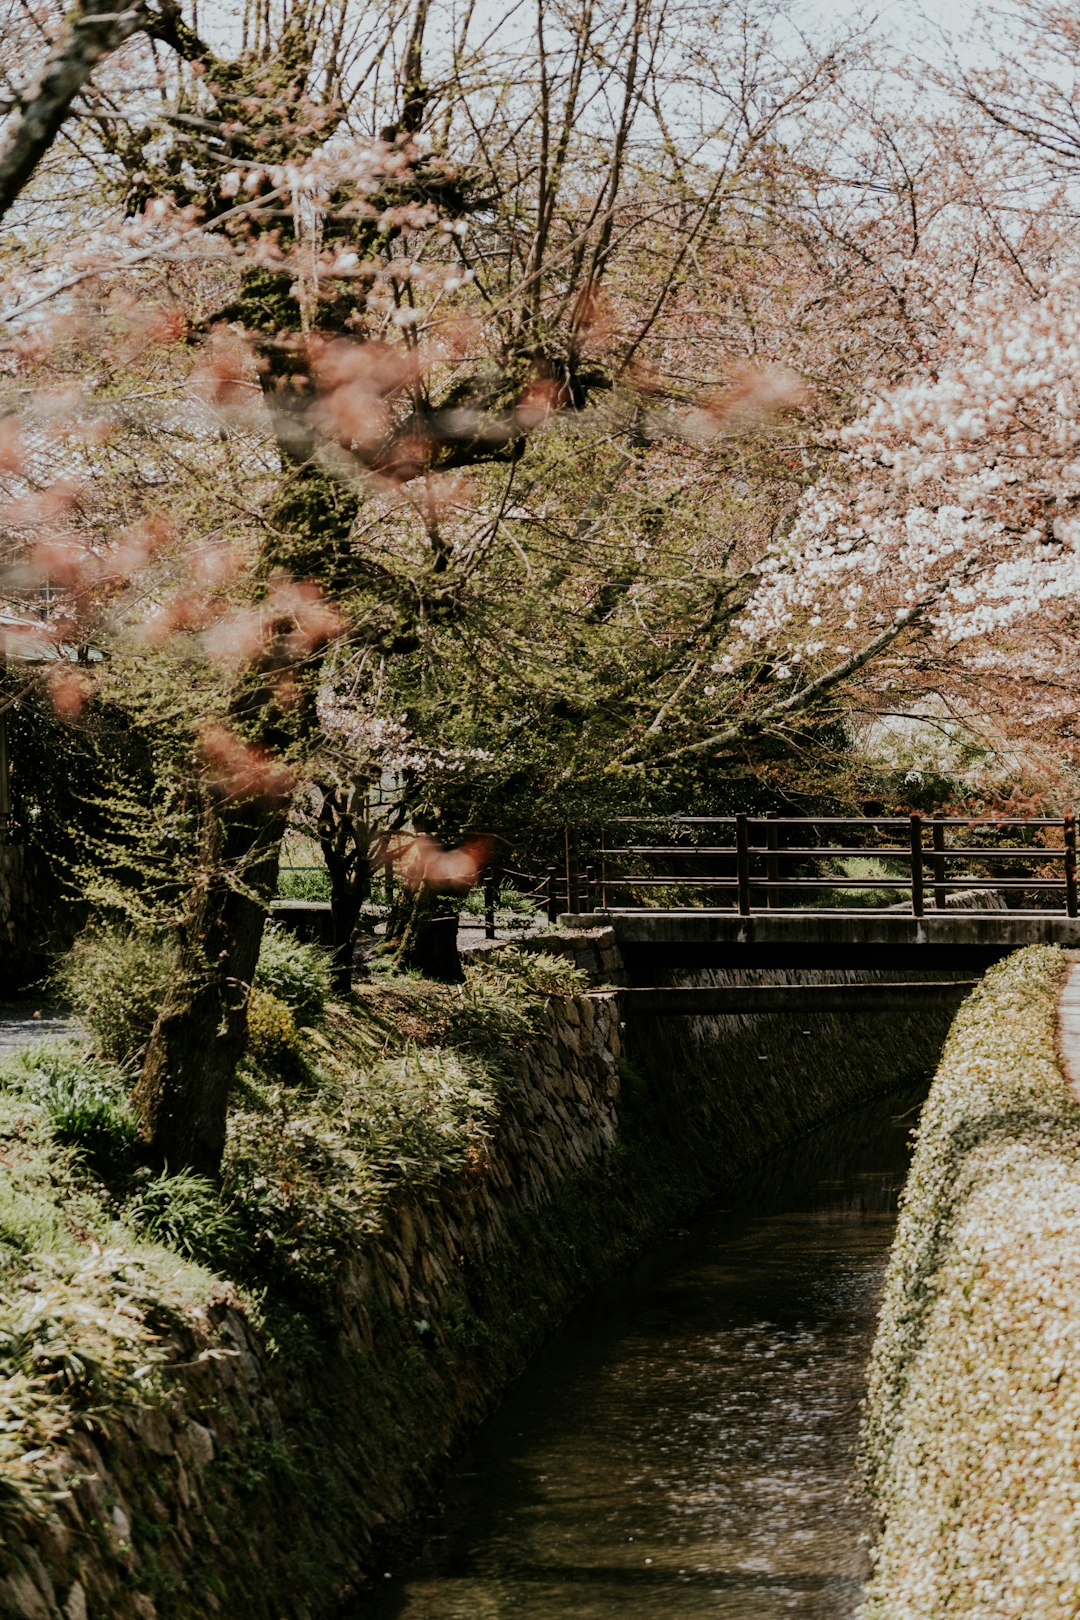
{"x":972,"y":1435}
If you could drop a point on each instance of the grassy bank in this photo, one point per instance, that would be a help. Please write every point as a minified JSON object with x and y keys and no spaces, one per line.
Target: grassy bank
{"x":972,"y":1435}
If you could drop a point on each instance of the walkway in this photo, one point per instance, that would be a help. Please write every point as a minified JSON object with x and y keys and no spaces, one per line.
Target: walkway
{"x":1069,"y":1025}
{"x":22,"y":1022}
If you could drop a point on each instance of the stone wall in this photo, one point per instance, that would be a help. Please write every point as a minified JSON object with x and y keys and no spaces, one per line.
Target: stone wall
{"x":972,"y":1432}
{"x":260,"y":1489}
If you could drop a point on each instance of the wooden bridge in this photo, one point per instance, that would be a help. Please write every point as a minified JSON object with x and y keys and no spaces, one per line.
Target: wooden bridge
{"x":940,"y":896}
{"x":946,"y":894}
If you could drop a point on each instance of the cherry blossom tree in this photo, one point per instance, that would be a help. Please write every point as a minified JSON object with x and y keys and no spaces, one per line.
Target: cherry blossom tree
{"x":494,"y":380}
{"x":947,"y":532}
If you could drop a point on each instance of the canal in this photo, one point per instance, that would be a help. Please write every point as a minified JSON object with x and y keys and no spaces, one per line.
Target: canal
{"x":685,"y":1446}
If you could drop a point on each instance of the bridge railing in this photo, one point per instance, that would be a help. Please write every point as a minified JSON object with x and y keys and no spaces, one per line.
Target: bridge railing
{"x":752,"y":863}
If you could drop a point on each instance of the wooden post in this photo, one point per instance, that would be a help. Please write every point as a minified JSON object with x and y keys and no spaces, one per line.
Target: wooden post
{"x":589,"y":894}
{"x":742,"y":865}
{"x":1070,"y":865}
{"x":573,"y":886}
{"x":552,"y":893}
{"x":772,"y":864}
{"x":916,"y":867}
{"x":603,"y":868}
{"x":489,"y":902}
{"x":937,"y":835}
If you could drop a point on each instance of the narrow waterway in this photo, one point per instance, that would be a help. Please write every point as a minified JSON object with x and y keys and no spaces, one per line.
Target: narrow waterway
{"x":685,"y":1446}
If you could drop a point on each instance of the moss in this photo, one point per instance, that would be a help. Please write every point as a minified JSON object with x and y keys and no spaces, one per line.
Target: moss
{"x":972,"y":1432}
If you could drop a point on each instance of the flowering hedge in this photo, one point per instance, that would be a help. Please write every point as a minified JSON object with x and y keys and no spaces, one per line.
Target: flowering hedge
{"x":972,"y":1433}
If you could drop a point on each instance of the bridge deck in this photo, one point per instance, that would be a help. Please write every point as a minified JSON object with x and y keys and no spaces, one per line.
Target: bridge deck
{"x":650,"y":941}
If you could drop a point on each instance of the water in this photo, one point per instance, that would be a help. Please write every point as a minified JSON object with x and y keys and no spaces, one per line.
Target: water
{"x":685,"y":1446}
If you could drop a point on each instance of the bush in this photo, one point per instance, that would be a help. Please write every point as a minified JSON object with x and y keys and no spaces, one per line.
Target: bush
{"x":297,"y":1212}
{"x":116,"y":978}
{"x":186,"y":1213}
{"x":507,"y":899}
{"x":85,"y":1103}
{"x":971,"y":1436}
{"x":271,"y":1032}
{"x":297,"y":974}
{"x":426,"y":1112}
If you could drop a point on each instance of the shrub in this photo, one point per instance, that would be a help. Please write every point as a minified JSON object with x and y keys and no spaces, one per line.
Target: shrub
{"x":298,"y":1213}
{"x":186,"y":1213}
{"x":507,"y":899}
{"x":115,"y":978}
{"x":297,"y":974}
{"x":85,"y":1103}
{"x":424,"y":1113}
{"x":539,"y":973}
{"x":271,"y":1031}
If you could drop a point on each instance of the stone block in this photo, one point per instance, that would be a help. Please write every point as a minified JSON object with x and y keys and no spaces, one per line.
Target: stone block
{"x":41,"y":1576}
{"x":153,"y":1428}
{"x":202,"y":1445}
{"x":75,"y":1604}
{"x":20,"y":1599}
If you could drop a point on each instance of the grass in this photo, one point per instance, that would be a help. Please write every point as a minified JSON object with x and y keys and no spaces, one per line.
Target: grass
{"x":303,"y":883}
{"x":972,"y":1433}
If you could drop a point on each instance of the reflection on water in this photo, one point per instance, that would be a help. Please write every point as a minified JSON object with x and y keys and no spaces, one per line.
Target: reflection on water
{"x":684,"y":1448}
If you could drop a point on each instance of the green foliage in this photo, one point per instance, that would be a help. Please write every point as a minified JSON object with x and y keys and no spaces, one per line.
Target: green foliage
{"x":30,"y":1223}
{"x":271,"y":1032}
{"x":424,"y":1113}
{"x":491,"y":1015}
{"x":303,"y":883}
{"x":77,"y":1295}
{"x":297,"y":974}
{"x":507,"y":899}
{"x":859,"y":866}
{"x":76,"y":1341}
{"x":971,"y":1439}
{"x":402,"y":1088}
{"x":530,"y":974}
{"x":298,"y":1199}
{"x":186,"y":1213}
{"x":116,"y":977}
{"x":85,"y":1103}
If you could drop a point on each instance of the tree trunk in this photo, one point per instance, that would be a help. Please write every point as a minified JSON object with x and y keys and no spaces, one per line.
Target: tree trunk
{"x":182,"y":1093}
{"x":345,"y":840}
{"x":346,"y":903}
{"x":421,"y":935}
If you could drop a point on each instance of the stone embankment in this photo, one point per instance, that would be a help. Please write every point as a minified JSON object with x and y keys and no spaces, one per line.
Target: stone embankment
{"x":972,"y":1436}
{"x":264,"y":1481}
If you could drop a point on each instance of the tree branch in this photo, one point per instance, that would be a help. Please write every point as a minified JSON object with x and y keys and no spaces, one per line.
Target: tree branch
{"x":808,"y":695}
{"x":93,"y":31}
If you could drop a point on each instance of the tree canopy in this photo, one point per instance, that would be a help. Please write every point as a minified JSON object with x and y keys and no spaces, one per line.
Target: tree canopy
{"x":590,"y":408}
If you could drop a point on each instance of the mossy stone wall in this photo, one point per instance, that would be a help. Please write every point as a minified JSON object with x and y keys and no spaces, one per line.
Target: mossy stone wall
{"x":972,"y":1434}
